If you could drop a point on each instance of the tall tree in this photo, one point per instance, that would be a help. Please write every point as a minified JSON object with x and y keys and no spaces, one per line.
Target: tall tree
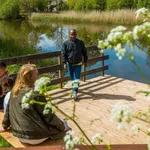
{"x":26,"y":7}
{"x":9,"y":9}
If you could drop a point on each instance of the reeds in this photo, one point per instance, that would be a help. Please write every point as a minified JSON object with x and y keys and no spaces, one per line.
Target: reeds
{"x":123,"y":17}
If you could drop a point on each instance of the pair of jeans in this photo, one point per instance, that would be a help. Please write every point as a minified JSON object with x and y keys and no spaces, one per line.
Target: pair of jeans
{"x":75,"y":74}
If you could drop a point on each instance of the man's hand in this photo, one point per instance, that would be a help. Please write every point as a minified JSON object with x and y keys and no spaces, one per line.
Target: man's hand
{"x":65,"y":66}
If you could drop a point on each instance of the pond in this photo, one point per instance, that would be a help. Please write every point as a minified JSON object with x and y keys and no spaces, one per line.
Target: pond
{"x":22,"y":38}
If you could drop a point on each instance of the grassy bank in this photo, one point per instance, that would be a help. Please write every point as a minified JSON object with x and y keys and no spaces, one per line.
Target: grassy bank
{"x":4,"y":143}
{"x":124,"y":17}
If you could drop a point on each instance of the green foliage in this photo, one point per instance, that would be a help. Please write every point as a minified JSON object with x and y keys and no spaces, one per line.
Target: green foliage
{"x":9,"y":9}
{"x":100,"y":5}
{"x":71,"y":3}
{"x":86,"y":5}
{"x":65,"y":6}
{"x":143,"y":3}
{"x":26,"y":7}
{"x":9,"y":48}
{"x":80,"y":5}
{"x":41,"y":4}
{"x":13,"y":68}
{"x":4,"y":143}
{"x":113,"y":4}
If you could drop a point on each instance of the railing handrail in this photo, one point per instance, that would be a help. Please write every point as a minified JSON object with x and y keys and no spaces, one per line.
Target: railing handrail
{"x":59,"y":66}
{"x":39,"y":56}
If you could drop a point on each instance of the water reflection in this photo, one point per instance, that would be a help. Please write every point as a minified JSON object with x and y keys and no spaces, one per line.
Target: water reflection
{"x":45,"y":38}
{"x":45,"y":44}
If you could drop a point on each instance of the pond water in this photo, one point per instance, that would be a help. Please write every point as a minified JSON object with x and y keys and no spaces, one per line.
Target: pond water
{"x":21,"y":38}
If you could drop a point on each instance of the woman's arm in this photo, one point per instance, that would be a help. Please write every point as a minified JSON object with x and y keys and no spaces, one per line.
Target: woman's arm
{"x":6,"y":121}
{"x":50,"y":118}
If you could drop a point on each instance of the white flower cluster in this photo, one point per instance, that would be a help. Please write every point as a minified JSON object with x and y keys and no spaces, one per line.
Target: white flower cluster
{"x":122,"y":113}
{"x":142,"y":11}
{"x":115,"y":40}
{"x":120,"y":52}
{"x":97,"y":137}
{"x":141,"y":30}
{"x":116,"y":34}
{"x":136,"y":128}
{"x":40,"y":83}
{"x":25,"y":100}
{"x":49,"y":106}
{"x":118,"y":37}
{"x":70,"y":142}
{"x":73,"y":83}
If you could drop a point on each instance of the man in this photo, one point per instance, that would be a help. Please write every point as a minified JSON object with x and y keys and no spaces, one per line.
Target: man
{"x":72,"y":52}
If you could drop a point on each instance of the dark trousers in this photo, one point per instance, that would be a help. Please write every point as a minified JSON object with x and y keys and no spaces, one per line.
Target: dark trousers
{"x":75,"y":74}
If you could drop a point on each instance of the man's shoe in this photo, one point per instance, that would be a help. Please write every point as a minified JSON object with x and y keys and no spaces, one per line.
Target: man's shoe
{"x":74,"y":95}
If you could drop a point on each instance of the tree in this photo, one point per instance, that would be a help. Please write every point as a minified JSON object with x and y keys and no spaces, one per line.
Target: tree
{"x":41,"y":4}
{"x":113,"y":4}
{"x":26,"y":7}
{"x":9,"y":9}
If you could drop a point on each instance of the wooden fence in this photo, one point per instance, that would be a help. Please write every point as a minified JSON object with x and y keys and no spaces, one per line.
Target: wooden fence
{"x":59,"y":67}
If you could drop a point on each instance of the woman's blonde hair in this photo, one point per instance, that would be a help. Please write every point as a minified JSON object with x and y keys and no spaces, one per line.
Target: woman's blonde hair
{"x":23,"y":78}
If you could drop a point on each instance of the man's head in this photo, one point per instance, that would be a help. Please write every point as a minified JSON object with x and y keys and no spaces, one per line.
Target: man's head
{"x":73,"y":34}
{"x":2,"y":68}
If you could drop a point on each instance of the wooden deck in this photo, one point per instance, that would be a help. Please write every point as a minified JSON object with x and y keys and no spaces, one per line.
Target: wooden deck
{"x":93,"y":109}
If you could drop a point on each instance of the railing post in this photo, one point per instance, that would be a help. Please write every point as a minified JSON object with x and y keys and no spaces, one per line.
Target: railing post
{"x":60,"y":73}
{"x":102,"y":63}
{"x":83,"y":68}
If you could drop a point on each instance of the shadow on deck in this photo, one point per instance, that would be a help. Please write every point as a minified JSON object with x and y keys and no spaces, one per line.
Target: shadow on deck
{"x":96,"y":98}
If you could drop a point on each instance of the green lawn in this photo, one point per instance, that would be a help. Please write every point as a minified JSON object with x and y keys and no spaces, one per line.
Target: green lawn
{"x":4,"y":143}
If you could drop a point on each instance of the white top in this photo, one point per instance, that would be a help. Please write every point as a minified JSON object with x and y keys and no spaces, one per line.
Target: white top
{"x":6,"y":100}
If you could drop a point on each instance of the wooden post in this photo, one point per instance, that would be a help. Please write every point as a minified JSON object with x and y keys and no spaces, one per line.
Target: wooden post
{"x":60,"y":73}
{"x":102,"y":64}
{"x":83,"y":68}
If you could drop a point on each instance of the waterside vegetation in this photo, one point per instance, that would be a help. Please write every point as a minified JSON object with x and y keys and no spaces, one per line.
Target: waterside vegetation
{"x":124,"y":17}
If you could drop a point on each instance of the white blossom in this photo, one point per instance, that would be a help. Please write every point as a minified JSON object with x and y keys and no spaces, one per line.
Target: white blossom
{"x":135,"y":128}
{"x":97,"y":137}
{"x":122,"y":113}
{"x":25,"y":105}
{"x":114,"y":36}
{"x":142,"y":11}
{"x":103,"y":44}
{"x":40,"y":82}
{"x":119,"y":29}
{"x":120,"y":52}
{"x":128,"y":37}
{"x":141,"y":30}
{"x":70,"y":142}
{"x":49,"y":106}
{"x":25,"y":100}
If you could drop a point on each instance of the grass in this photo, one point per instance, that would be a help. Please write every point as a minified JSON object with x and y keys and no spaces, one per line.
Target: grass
{"x":4,"y":143}
{"x":10,"y":48}
{"x":124,"y":17}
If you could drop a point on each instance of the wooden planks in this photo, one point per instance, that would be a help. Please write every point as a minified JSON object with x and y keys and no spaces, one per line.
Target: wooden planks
{"x":93,"y":110}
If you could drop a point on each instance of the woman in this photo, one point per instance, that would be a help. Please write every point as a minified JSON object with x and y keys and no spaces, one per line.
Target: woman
{"x":30,"y":125}
{"x":3,"y":79}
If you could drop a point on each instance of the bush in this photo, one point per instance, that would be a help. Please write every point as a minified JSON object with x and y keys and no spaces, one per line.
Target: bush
{"x":9,"y":9}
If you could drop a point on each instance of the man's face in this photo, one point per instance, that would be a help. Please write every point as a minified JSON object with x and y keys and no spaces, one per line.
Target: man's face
{"x":72,"y":35}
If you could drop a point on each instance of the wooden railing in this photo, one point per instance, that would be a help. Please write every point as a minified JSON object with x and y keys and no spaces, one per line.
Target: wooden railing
{"x":58,"y":67}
